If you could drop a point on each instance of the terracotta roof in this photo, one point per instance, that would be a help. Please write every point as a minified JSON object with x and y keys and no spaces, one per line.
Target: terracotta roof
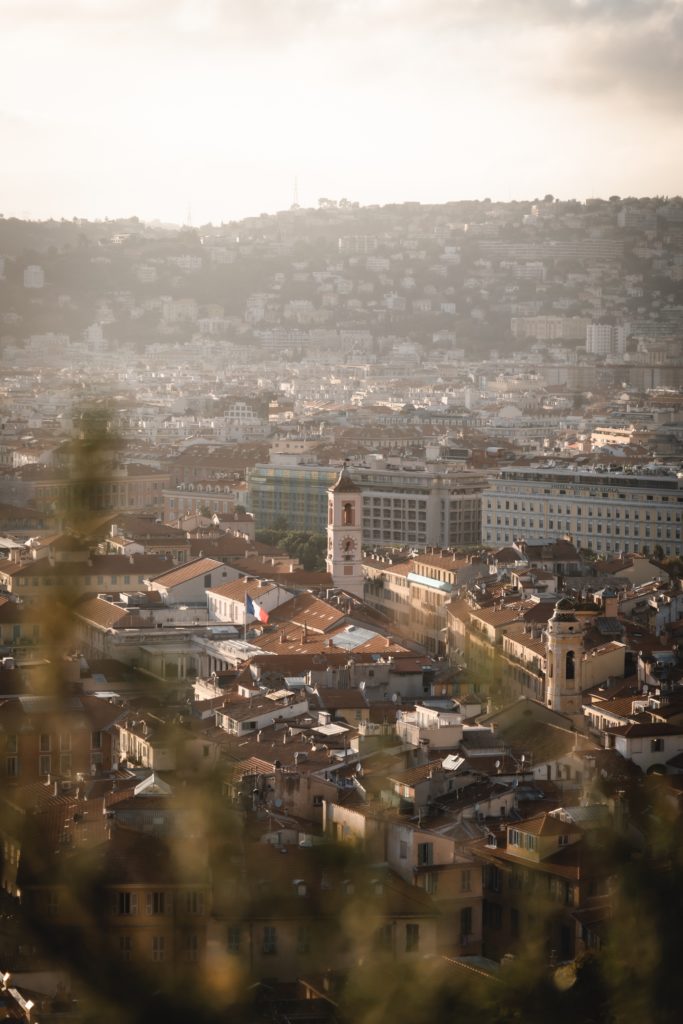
{"x":109,"y":615}
{"x":332,"y":698}
{"x":310,"y":610}
{"x":102,"y":565}
{"x":189,"y":571}
{"x":237,"y":590}
{"x":547,"y":825}
{"x":636,"y":729}
{"x":344,"y":484}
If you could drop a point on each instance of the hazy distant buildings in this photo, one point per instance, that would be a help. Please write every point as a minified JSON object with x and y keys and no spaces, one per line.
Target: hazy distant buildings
{"x":358,"y":244}
{"x":549,"y":328}
{"x":34,"y":276}
{"x":605,"y":339}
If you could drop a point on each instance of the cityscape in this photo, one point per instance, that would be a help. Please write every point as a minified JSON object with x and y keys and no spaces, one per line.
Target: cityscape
{"x":341,"y":613}
{"x":341,"y":498}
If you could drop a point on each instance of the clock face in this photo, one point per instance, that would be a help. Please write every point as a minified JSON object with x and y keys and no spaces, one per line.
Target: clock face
{"x":348,"y":545}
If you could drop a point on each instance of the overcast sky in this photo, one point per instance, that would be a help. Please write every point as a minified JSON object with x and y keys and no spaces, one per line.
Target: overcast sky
{"x":147,"y":107}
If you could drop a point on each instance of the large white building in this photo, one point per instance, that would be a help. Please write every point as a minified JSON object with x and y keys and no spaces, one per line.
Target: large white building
{"x":601,"y":510}
{"x":606,"y":339}
{"x":420,"y":506}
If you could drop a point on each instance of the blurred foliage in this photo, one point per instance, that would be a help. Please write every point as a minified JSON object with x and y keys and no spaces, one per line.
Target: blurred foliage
{"x":635,"y":978}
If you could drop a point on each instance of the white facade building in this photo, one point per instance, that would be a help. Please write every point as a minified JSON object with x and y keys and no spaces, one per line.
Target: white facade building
{"x":603,"y":511}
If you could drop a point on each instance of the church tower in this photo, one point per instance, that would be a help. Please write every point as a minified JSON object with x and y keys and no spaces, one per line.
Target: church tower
{"x":564,"y":658}
{"x":344,"y":534}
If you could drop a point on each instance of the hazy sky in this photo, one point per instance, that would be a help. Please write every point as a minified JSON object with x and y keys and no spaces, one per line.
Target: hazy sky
{"x":117,"y":107}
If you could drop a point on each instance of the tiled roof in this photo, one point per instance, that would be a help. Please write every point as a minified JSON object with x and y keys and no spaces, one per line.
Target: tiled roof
{"x":307,"y":609}
{"x":109,"y":615}
{"x":102,"y":565}
{"x":189,"y":571}
{"x":237,"y":590}
{"x":547,"y":825}
{"x":637,"y":729}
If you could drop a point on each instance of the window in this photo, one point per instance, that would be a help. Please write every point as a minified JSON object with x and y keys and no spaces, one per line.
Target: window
{"x":656,"y":745}
{"x":412,"y":938}
{"x":269,"y":947}
{"x":384,"y":938}
{"x":45,"y":743}
{"x":493,"y":878}
{"x":303,"y":939}
{"x":234,"y":939}
{"x":11,"y":744}
{"x":126,"y":903}
{"x":403,"y":849}
{"x":191,"y":948}
{"x":466,"y":881}
{"x":194,"y":902}
{"x":44,"y":764}
{"x":431,"y":882}
{"x":156,"y":903}
{"x":492,"y":914}
{"x":515,"y":837}
{"x":158,"y":948}
{"x":425,"y":854}
{"x":95,"y":740}
{"x":465,"y":925}
{"x":125,"y":947}
{"x":12,"y":767}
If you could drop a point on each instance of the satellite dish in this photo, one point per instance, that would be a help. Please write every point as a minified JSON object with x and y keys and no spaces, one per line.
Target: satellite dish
{"x":359,"y":767}
{"x":394,"y":697}
{"x":497,"y":764}
{"x":278,"y":801}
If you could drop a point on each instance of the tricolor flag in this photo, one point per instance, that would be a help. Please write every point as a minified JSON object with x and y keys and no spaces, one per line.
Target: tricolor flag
{"x":256,"y":610}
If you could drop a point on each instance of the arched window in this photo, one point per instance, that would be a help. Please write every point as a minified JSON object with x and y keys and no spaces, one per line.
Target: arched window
{"x":347,"y":514}
{"x":569,"y":665}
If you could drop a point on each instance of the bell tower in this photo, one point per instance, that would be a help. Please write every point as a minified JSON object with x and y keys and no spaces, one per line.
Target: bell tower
{"x":344,"y":534}
{"x":564,"y":659}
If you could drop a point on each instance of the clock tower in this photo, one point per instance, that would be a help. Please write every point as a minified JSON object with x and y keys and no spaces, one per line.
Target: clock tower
{"x":565,"y":661}
{"x":344,"y":534}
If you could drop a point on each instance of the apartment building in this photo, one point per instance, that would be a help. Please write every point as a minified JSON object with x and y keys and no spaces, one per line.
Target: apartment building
{"x":414,"y":504}
{"x":624,"y":511}
{"x":415,"y":592}
{"x":404,"y":502}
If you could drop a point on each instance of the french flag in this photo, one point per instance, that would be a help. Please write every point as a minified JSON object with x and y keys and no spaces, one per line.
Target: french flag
{"x":256,"y":610}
